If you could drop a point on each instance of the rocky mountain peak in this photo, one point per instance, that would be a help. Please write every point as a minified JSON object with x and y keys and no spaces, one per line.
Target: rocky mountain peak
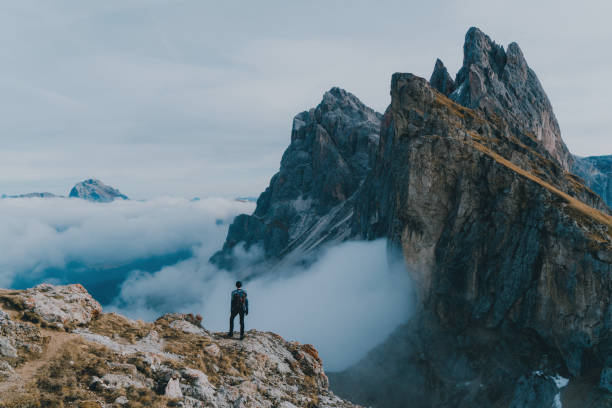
{"x":331,"y":152}
{"x":441,"y":79}
{"x":501,"y":82}
{"x":95,"y":190}
{"x":481,"y":51}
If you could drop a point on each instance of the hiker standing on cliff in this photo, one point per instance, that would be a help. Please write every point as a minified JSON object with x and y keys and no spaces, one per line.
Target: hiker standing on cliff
{"x":239,"y":306}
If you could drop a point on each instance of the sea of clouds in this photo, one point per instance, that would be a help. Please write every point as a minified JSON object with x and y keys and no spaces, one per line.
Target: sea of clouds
{"x":146,"y":258}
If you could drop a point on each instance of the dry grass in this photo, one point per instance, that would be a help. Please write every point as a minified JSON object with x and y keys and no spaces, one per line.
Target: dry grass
{"x":574,"y":204}
{"x":454,"y":108}
{"x":111,"y":324}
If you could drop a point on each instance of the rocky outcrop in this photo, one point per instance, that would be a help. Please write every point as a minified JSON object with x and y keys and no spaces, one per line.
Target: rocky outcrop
{"x":309,"y":201}
{"x":59,"y":306}
{"x":109,"y":360}
{"x":500,"y":82}
{"x":596,"y":171}
{"x":441,"y":79}
{"x":95,"y":190}
{"x":511,"y":270}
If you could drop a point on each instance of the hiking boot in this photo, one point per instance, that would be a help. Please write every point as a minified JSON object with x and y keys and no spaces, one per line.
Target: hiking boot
{"x":242,"y":337}
{"x":229,"y":335}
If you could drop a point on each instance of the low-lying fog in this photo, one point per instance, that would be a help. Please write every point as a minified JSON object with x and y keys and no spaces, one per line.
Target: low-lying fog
{"x":146,"y":258}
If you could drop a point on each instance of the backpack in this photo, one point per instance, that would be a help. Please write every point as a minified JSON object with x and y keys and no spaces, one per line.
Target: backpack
{"x":239,"y":300}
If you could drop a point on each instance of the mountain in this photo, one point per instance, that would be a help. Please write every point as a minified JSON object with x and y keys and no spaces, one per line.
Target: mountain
{"x":310,"y":200}
{"x":596,"y":171}
{"x":510,"y":255}
{"x":57,"y":348}
{"x":95,"y":190}
{"x":501,"y":83}
{"x":32,"y":195}
{"x":511,"y":270}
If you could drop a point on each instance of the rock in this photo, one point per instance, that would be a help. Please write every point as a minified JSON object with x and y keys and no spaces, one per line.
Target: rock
{"x":187,"y":327}
{"x":197,"y":385}
{"x":596,"y":171}
{"x":441,"y":80}
{"x":61,"y":305}
{"x":502,"y":83}
{"x":307,"y":202}
{"x":122,"y":400}
{"x":153,"y":362}
{"x":117,"y":381}
{"x":534,"y":391}
{"x":6,"y":370}
{"x":95,"y":190}
{"x":213,"y":350}
{"x":605,"y":380}
{"x":7,"y":349}
{"x":503,"y":256}
{"x":173,"y":389}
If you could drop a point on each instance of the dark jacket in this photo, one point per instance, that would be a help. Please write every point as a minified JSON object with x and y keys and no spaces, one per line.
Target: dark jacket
{"x":235,"y":301}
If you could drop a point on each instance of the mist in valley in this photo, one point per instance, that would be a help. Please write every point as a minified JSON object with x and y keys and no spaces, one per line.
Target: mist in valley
{"x":147,"y":258}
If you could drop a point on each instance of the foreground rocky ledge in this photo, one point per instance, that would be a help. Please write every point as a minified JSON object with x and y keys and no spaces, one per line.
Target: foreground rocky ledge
{"x":58,"y":349}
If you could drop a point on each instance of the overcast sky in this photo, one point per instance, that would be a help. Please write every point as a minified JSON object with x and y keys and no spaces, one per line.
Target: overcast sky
{"x":195,"y":98}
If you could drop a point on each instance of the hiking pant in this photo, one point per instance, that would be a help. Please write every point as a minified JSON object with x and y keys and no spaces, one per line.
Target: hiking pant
{"x":232,"y":316}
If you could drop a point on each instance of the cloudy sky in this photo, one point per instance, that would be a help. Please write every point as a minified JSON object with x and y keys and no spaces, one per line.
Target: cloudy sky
{"x":195,"y":98}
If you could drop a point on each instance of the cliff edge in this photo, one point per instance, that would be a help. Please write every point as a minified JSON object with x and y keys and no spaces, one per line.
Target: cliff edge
{"x":57,"y":348}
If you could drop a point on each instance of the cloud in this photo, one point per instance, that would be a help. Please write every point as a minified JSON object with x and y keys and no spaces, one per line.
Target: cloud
{"x":345,"y":303}
{"x":72,"y":240}
{"x":147,"y":258}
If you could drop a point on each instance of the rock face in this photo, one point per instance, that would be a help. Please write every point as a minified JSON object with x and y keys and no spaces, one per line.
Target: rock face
{"x":171,"y":362}
{"x":596,"y":171}
{"x":61,"y":306}
{"x":309,"y":201}
{"x":502,"y":83}
{"x":95,"y":190}
{"x":508,"y":264}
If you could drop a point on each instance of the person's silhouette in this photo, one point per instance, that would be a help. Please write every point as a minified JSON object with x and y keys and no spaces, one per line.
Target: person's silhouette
{"x":239,"y":306}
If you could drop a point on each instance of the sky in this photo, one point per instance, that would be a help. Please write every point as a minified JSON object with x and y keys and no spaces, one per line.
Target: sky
{"x":196,"y":98}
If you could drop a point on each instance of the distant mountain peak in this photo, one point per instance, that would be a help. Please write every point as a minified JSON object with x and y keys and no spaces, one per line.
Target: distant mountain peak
{"x":95,"y":190}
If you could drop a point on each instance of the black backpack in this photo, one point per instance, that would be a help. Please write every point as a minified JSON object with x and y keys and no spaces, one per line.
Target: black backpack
{"x":239,"y":300}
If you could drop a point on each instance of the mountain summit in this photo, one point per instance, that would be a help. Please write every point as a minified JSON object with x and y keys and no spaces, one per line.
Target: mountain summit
{"x":502,"y":83}
{"x":95,"y":190}
{"x":309,"y":200}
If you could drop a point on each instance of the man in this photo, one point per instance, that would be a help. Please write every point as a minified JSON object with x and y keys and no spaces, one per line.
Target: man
{"x":239,"y":306}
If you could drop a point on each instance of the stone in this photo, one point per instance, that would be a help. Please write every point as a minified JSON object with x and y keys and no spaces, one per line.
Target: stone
{"x":60,"y":305}
{"x":173,"y":389}
{"x":122,"y":400}
{"x":7,"y":349}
